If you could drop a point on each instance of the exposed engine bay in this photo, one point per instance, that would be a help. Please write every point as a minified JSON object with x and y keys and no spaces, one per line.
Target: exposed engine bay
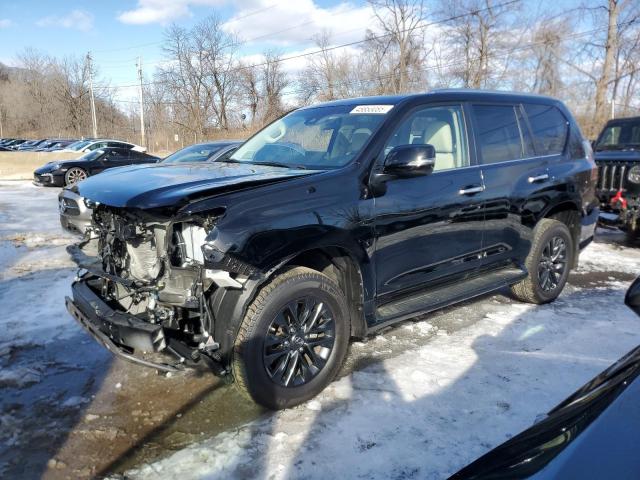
{"x":158,"y":271}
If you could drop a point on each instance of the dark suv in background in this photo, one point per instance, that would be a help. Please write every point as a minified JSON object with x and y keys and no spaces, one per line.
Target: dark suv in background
{"x":617,"y":153}
{"x":333,"y":222}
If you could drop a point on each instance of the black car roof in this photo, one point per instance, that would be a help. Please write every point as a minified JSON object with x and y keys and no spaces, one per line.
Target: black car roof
{"x":615,"y":121}
{"x":458,"y":94}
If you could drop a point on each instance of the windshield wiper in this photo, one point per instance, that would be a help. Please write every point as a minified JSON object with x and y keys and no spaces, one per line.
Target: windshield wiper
{"x":268,"y":164}
{"x":279,"y":164}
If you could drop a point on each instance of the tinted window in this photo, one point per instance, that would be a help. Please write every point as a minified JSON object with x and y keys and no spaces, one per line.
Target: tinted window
{"x":442,"y":127}
{"x":119,"y":145}
{"x":498,"y":133}
{"x":97,"y":145}
{"x":618,"y":136}
{"x":576,"y":145}
{"x":549,"y":127}
{"x":93,"y":155}
{"x":121,"y":153}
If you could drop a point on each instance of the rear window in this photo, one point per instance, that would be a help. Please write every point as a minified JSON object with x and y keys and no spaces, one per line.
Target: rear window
{"x":499,"y":133}
{"x":550,"y":128}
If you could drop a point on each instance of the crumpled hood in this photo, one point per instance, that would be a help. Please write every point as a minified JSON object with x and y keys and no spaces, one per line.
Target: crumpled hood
{"x":157,"y":185}
{"x":618,"y":156}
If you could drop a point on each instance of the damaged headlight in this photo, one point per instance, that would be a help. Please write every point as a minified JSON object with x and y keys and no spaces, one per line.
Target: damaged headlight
{"x":187,"y":244}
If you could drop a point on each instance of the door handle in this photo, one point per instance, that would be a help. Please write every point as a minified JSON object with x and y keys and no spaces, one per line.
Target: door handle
{"x":539,"y":178}
{"x":471,"y":190}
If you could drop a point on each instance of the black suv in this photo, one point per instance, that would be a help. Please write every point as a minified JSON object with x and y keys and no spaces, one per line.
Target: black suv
{"x":617,"y":153}
{"x":334,"y":222}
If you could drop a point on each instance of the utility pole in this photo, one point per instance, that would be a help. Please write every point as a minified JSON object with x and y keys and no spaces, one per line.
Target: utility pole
{"x":142,"y":135}
{"x":1,"y":131}
{"x":93,"y":102}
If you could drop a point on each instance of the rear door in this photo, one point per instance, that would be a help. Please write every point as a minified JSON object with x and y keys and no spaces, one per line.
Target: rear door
{"x":516,"y":179}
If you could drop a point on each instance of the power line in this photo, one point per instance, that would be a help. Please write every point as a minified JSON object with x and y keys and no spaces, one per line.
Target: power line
{"x":250,"y":39}
{"x":348,"y":44}
{"x":150,"y":44}
{"x":504,"y":53}
{"x":362,"y":81}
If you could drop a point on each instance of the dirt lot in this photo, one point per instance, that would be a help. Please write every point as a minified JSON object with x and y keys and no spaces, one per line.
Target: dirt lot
{"x":468,"y":377}
{"x":20,"y":165}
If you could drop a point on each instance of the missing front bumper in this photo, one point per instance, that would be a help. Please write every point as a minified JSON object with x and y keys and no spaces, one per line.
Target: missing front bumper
{"x":120,"y":333}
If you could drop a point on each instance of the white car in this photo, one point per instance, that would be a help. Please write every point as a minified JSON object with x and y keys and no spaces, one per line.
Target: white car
{"x":83,"y":146}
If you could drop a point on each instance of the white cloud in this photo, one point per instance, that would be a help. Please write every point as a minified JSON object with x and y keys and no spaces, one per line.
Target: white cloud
{"x":76,"y":19}
{"x":162,"y":11}
{"x":5,"y":23}
{"x":297,"y":21}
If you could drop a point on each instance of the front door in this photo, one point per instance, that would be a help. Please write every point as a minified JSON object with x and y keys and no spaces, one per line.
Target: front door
{"x":429,"y":228}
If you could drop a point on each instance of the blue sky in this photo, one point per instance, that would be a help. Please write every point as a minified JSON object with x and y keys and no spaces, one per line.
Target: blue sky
{"x":117,"y":31}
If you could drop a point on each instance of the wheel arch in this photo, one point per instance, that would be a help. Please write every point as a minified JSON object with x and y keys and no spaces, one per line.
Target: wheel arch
{"x":229,"y":306}
{"x":568,"y":213}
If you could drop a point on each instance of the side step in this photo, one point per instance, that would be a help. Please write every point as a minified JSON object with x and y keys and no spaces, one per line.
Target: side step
{"x":436,"y":298}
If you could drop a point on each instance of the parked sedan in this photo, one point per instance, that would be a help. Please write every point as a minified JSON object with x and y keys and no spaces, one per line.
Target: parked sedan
{"x":69,"y":172}
{"x":89,"y":145}
{"x":58,"y":145}
{"x":203,"y":152}
{"x":75,"y":214}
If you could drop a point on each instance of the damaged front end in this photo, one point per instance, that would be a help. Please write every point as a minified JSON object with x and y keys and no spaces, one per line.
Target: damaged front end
{"x":150,"y":292}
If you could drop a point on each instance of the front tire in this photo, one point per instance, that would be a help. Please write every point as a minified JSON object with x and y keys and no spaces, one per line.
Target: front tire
{"x":549,"y":262}
{"x":74,"y":175}
{"x":292,"y":340}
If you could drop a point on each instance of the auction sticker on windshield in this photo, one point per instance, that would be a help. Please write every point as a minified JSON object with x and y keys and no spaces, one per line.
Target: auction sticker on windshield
{"x":369,"y":109}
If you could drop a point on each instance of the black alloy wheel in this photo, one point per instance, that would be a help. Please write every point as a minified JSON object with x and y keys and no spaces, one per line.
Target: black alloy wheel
{"x":553,"y":263}
{"x":299,"y":341}
{"x":293,"y":338}
{"x":548,"y":264}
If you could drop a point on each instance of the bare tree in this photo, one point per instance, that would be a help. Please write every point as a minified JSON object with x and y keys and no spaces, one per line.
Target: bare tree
{"x":250,"y":90}
{"x":479,"y":34}
{"x":275,"y":81}
{"x":547,"y":48}
{"x":402,"y":38}
{"x":599,"y":58}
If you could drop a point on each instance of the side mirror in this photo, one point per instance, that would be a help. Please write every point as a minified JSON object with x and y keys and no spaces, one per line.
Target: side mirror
{"x":410,"y":161}
{"x":632,"y":299}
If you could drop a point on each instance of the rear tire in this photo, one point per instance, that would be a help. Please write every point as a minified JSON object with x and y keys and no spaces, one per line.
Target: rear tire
{"x":292,"y":340}
{"x":548,"y":263}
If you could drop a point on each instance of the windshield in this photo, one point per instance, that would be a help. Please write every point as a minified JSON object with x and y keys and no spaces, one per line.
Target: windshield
{"x":79,"y":145}
{"x":194,"y":153}
{"x":617,"y":137}
{"x":92,"y":155}
{"x":315,"y":138}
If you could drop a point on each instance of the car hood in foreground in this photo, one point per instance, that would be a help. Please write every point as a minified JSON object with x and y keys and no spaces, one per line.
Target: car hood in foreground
{"x":618,"y":156}
{"x":157,"y":185}
{"x":591,"y":434}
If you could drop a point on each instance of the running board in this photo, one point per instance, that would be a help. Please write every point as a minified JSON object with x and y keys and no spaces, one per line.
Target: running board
{"x":436,"y":298}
